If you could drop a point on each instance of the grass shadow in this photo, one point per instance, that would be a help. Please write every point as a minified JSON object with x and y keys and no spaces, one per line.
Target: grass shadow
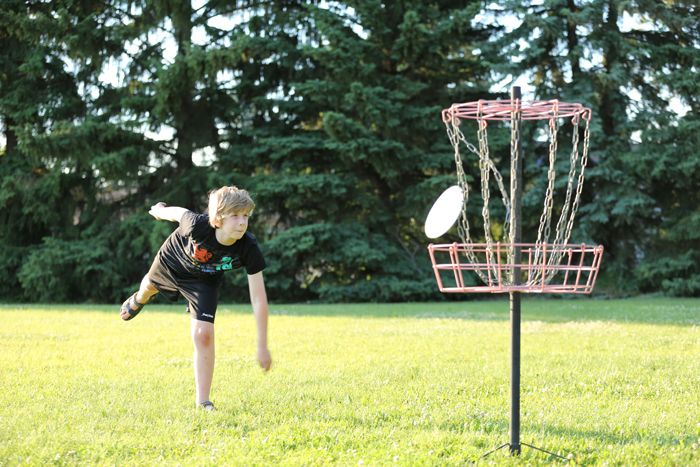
{"x":598,"y":442}
{"x":647,"y":310}
{"x":666,"y":311}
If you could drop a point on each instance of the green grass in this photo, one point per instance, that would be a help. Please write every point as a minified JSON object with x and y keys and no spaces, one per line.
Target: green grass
{"x":603,"y":382}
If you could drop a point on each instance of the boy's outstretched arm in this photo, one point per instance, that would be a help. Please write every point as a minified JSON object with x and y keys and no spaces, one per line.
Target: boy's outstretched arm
{"x":163,"y":212}
{"x":258,"y":298}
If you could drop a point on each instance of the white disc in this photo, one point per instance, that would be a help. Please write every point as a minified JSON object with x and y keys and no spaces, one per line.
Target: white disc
{"x":445,"y":212}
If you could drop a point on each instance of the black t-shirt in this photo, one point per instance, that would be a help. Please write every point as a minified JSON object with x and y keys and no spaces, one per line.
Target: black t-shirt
{"x":192,"y":250}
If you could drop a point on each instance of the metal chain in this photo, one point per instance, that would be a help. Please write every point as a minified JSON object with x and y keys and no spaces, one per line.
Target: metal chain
{"x":546,"y":217}
{"x":490,"y":166}
{"x":581,"y":176}
{"x":487,"y":169}
{"x":560,"y":234}
{"x":569,"y":210}
{"x":544,"y":228}
{"x":456,"y":137}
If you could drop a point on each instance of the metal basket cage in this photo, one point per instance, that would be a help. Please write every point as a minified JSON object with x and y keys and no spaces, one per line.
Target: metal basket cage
{"x":456,"y":265}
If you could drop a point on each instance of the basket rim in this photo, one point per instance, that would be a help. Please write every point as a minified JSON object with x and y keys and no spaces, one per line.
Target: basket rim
{"x":503,"y":110}
{"x":579,"y":276}
{"x":505,"y":245}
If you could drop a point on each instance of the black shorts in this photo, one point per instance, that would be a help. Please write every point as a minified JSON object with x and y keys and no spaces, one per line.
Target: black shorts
{"x":202,"y":295}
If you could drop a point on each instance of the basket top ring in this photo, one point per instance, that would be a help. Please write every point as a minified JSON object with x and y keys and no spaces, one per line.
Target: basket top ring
{"x":504,"y":110}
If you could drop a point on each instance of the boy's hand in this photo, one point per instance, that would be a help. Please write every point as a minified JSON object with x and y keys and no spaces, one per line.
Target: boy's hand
{"x":264,"y":358}
{"x":155,"y":208}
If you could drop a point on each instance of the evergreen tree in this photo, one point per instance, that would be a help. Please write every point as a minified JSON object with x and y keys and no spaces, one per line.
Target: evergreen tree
{"x":667,"y":162}
{"x":348,"y":146}
{"x":85,"y":169}
{"x":330,"y":114}
{"x":626,"y":60}
{"x":43,"y":178}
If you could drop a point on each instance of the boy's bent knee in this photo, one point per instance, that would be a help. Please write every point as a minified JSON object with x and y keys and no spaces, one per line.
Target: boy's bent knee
{"x":146,"y":291}
{"x":147,"y":286}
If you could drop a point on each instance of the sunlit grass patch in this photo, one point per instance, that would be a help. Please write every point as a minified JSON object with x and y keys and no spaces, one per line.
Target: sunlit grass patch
{"x":602,"y":382}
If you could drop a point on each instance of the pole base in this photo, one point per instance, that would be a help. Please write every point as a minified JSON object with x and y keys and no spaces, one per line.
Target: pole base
{"x":515,"y":450}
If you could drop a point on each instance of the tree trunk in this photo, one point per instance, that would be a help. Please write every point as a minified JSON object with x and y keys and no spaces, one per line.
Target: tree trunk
{"x":10,"y":137}
{"x":183,"y":113}
{"x":572,"y":43}
{"x":610,"y":99}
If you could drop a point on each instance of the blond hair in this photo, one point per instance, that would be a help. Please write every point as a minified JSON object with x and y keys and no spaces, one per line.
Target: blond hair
{"x":226,"y":201}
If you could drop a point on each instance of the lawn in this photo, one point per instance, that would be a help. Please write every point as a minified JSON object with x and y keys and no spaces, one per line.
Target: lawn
{"x":604,"y":382}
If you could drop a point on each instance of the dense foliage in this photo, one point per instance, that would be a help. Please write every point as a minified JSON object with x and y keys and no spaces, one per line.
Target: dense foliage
{"x":328,"y":112}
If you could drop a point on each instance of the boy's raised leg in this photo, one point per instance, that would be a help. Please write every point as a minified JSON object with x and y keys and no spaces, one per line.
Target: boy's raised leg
{"x":131,"y":308}
{"x":146,"y":291}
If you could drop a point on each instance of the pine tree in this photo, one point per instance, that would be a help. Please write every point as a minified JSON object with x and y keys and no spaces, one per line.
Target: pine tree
{"x":78,"y":171}
{"x":67,"y":181}
{"x":667,"y":162}
{"x":330,"y":114}
{"x":626,"y":60}
{"x":41,"y":182}
{"x":348,"y":146}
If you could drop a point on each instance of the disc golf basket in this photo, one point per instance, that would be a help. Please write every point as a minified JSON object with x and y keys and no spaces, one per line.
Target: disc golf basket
{"x":548,"y":264}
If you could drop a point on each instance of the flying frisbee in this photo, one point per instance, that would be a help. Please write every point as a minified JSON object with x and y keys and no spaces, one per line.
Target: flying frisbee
{"x":445,"y":212}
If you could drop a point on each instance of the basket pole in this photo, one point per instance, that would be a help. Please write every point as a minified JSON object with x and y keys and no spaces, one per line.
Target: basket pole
{"x":516,"y":237}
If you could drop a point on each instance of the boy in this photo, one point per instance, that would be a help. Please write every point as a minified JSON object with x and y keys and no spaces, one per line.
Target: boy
{"x":192,"y":262}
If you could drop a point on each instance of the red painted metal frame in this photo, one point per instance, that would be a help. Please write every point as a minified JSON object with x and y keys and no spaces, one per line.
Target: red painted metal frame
{"x":502,"y":110}
{"x":576,"y":273}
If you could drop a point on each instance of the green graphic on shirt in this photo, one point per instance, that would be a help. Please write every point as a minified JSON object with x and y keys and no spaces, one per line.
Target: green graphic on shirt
{"x":225,"y":264}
